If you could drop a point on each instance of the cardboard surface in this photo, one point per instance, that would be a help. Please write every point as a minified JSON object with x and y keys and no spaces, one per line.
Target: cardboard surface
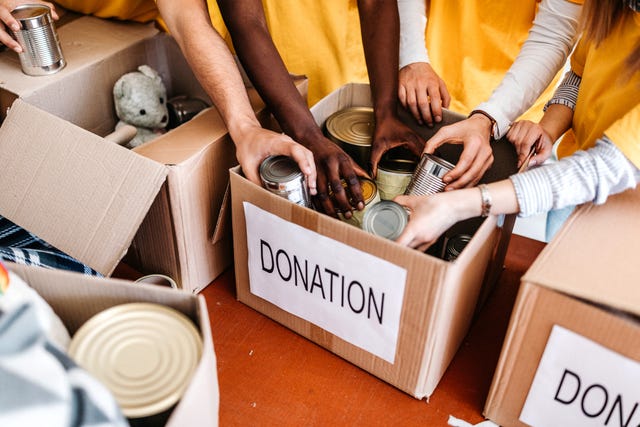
{"x":75,"y":298}
{"x":584,"y":281}
{"x":439,"y":297}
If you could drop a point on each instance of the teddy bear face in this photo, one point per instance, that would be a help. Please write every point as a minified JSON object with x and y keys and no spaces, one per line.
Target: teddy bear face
{"x":141,"y":99}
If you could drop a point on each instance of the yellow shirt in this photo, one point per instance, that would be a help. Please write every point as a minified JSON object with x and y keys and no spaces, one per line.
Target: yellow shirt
{"x":133,"y":10}
{"x":606,"y":91}
{"x":473,"y":43}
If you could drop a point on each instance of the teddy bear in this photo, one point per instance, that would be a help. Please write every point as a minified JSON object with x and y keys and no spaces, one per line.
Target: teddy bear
{"x":140,"y":99}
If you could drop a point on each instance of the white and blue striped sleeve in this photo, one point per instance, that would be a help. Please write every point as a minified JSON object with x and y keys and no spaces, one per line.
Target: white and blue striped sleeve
{"x":567,"y":92}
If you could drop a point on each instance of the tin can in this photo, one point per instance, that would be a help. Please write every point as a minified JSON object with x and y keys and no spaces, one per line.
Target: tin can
{"x":369,"y":194}
{"x":395,"y":170}
{"x":158,"y":279}
{"x":182,"y":109}
{"x":352,"y":129}
{"x":144,"y":353}
{"x":427,"y":178}
{"x":454,"y":246}
{"x":282,"y":176}
{"x":385,"y":219}
{"x":41,"y":52}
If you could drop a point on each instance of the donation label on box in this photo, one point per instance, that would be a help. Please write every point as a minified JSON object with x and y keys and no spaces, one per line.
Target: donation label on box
{"x":347,"y":292}
{"x":582,"y":383}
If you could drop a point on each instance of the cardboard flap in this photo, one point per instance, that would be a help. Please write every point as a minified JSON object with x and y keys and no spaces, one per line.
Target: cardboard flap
{"x":80,"y":193}
{"x":592,"y":256}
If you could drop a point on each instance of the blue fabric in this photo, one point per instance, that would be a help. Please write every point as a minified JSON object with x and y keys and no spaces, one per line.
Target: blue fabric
{"x":555,"y":219}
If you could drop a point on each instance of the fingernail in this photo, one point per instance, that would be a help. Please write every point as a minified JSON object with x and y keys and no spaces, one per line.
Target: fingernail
{"x":360,"y":206}
{"x":446,"y":180}
{"x":15,"y":27}
{"x":18,"y":49}
{"x":438,"y":118}
{"x":347,"y":214}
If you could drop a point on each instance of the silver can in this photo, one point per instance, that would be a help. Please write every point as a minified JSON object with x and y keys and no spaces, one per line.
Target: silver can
{"x":41,"y":52}
{"x":454,"y":246}
{"x":282,"y":176}
{"x":385,"y":219}
{"x":427,"y":178}
{"x":183,"y":108}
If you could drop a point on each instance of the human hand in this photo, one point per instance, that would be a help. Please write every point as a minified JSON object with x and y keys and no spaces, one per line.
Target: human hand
{"x":423,"y":92}
{"x":389,"y":133}
{"x":9,"y":23}
{"x":477,"y":156}
{"x":527,"y":136}
{"x":256,"y":144}
{"x":333,"y":166}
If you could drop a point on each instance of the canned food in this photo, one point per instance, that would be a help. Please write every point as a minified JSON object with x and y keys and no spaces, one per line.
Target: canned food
{"x":427,"y":178}
{"x":369,"y":194}
{"x":352,"y":129}
{"x":41,"y":52}
{"x":395,"y":170}
{"x":182,"y":109}
{"x":282,"y":176}
{"x":454,"y":246}
{"x":144,"y":353}
{"x":385,"y":219}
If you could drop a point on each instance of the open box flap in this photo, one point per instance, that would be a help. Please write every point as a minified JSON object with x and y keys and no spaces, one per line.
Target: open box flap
{"x":80,"y":193}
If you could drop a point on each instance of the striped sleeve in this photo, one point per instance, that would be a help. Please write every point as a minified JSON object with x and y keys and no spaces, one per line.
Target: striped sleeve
{"x":567,"y":92}
{"x":585,"y":176}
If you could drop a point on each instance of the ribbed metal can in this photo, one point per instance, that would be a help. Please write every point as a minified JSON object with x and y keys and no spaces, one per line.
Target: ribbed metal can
{"x":385,"y":219}
{"x":395,"y":171}
{"x":282,"y":176}
{"x":427,"y":178}
{"x":352,"y":129}
{"x":370,"y":195}
{"x":454,"y":246}
{"x":41,"y":52}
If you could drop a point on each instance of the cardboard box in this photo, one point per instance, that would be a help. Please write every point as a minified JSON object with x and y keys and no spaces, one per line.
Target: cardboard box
{"x":571,"y":355}
{"x":97,"y":201}
{"x":75,"y":298}
{"x":397,"y":313}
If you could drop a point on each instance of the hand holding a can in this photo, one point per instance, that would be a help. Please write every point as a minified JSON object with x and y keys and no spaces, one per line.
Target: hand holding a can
{"x":8,"y":22}
{"x":390,"y":133}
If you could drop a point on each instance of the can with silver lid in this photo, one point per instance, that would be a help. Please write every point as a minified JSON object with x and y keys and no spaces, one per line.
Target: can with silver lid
{"x":183,"y":108}
{"x":427,"y":178}
{"x":144,"y":353}
{"x":385,"y":219}
{"x":41,"y":52}
{"x":454,"y":246}
{"x":395,"y":170}
{"x":352,"y":129}
{"x":282,"y":176}
{"x":369,"y":194}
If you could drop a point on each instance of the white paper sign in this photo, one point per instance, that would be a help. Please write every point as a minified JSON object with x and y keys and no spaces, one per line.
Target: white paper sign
{"x":349,"y":293}
{"x":581,"y":383}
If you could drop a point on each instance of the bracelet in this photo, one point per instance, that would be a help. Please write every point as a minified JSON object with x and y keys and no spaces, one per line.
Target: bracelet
{"x":486,"y":200}
{"x":494,"y":124}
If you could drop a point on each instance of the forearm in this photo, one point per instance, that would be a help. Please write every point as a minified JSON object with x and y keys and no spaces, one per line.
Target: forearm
{"x":586,"y":176}
{"x":211,"y":61}
{"x":380,"y":36}
{"x":413,"y":23}
{"x":544,"y":52}
{"x":557,"y":120}
{"x":246,"y":22}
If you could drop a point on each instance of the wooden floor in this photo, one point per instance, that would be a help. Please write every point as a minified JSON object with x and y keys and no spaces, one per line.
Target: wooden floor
{"x":270,"y":376}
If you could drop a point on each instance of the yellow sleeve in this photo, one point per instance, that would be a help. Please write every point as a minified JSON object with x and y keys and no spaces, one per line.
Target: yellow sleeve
{"x":625,"y":134}
{"x":579,"y":56}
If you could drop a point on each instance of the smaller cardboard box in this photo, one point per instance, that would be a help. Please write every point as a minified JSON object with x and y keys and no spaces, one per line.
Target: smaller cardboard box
{"x":571,"y":355}
{"x":397,"y":313}
{"x":75,"y":298}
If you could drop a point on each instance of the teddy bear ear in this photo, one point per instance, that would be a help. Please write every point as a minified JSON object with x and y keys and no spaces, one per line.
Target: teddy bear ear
{"x":119,"y":89}
{"x":149,"y":72}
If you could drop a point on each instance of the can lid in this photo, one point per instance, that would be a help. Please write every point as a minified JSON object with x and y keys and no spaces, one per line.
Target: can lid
{"x":457,"y":243}
{"x":385,"y":219}
{"x":353,"y":125}
{"x":368,"y":187}
{"x":144,"y":353}
{"x":398,"y":160}
{"x":278,"y":169}
{"x":31,"y":15}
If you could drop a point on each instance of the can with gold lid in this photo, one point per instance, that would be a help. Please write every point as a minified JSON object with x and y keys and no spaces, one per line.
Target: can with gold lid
{"x":369,"y":194}
{"x":386,"y":219}
{"x":395,"y":170}
{"x":427,"y":178}
{"x":352,"y":129}
{"x":282,"y":176}
{"x":144,"y":353}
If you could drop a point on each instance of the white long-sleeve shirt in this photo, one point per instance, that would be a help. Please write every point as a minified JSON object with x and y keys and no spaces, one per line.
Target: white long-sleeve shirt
{"x":550,"y":40}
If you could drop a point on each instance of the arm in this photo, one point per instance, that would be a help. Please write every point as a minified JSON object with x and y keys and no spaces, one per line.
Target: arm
{"x":542,"y":55}
{"x":8,"y":22}
{"x":246,"y":22}
{"x":215,"y":68}
{"x":586,"y":176}
{"x":420,"y":89}
{"x":380,"y":36}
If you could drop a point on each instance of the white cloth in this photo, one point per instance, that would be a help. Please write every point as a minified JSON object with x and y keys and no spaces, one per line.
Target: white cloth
{"x":585,"y":176}
{"x":550,"y":40}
